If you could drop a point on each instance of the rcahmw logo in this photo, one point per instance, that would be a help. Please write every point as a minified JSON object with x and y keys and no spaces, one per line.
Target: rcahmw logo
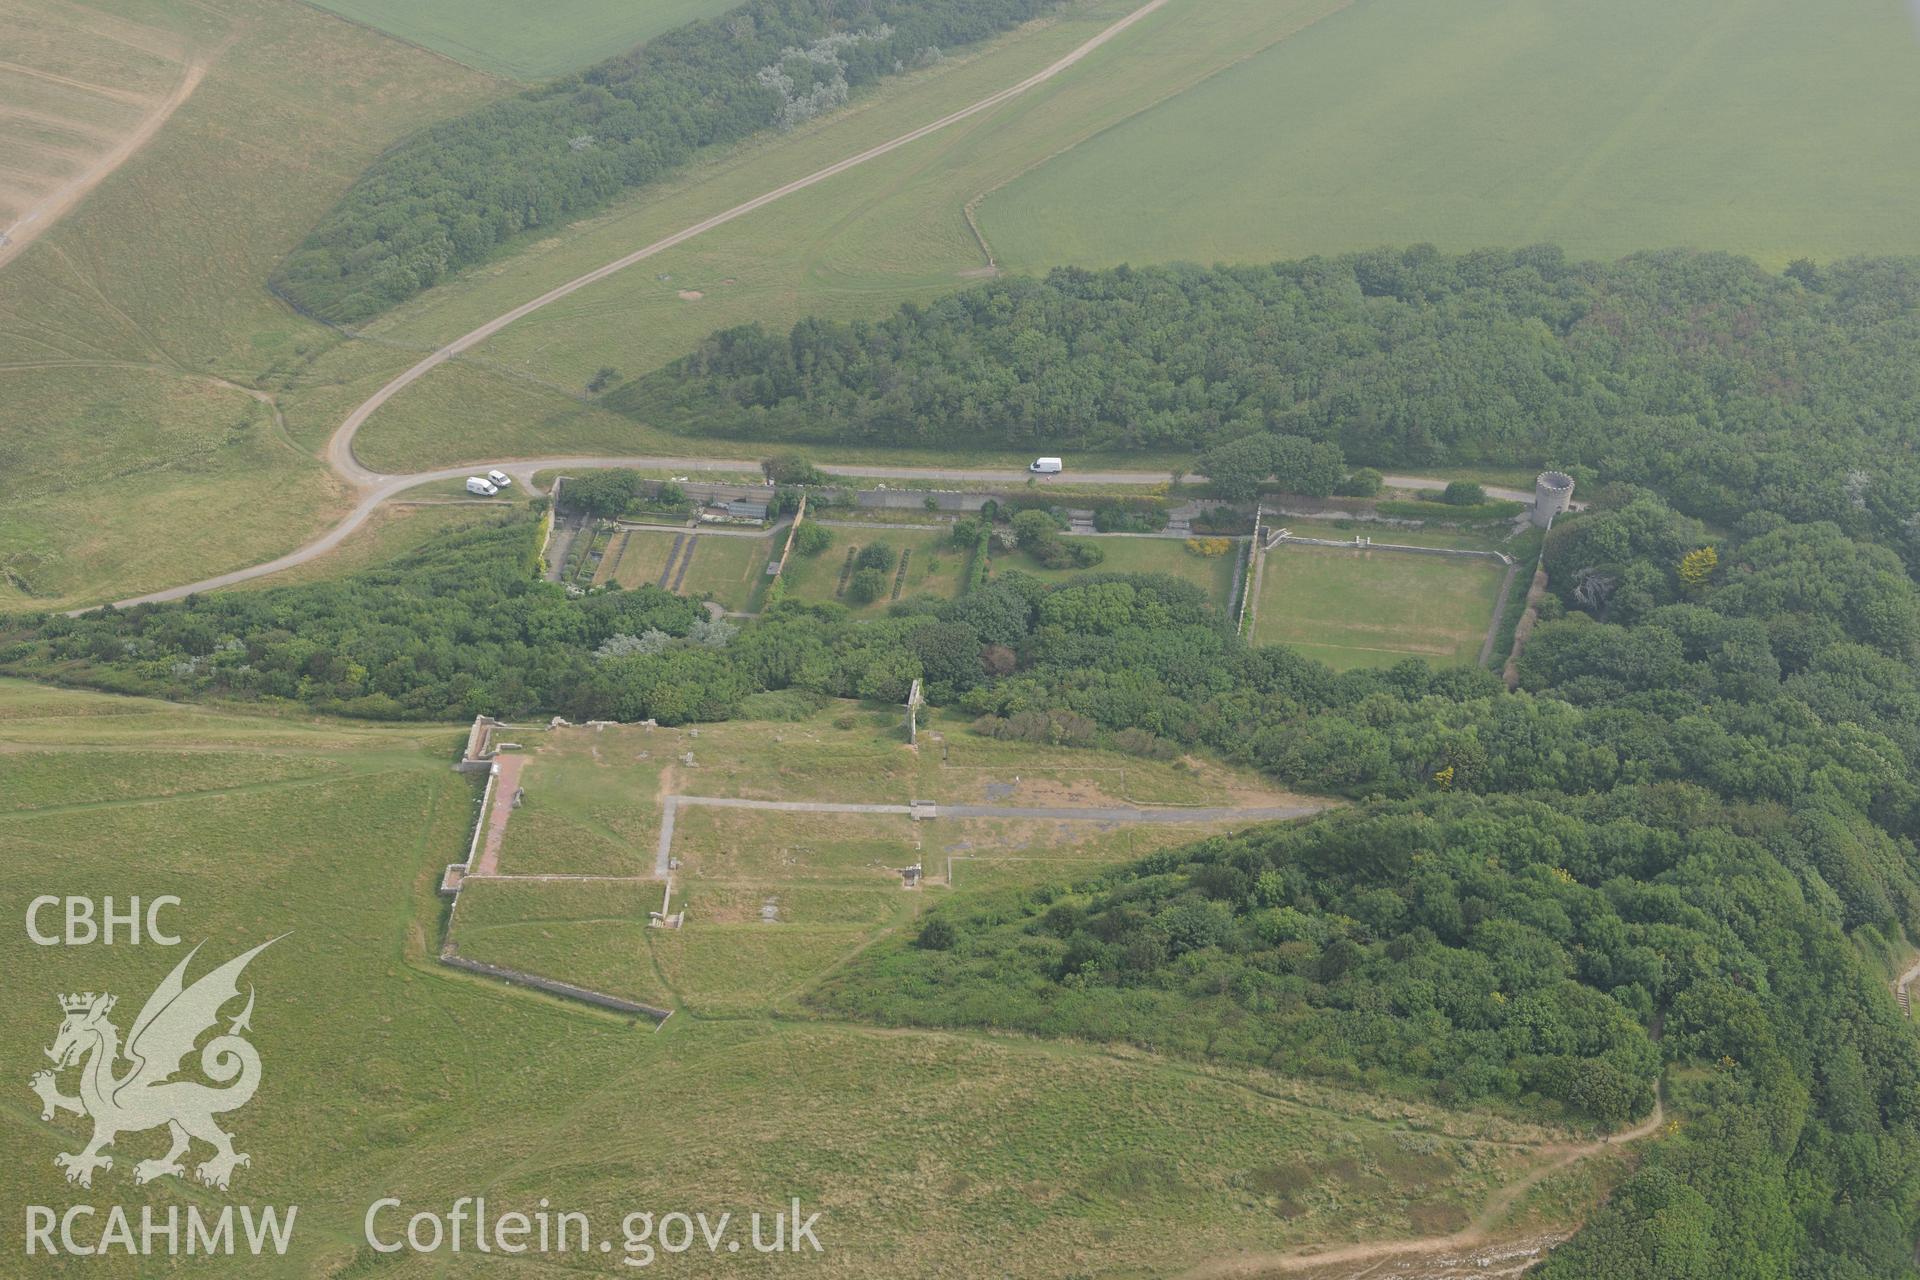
{"x":144,"y":1093}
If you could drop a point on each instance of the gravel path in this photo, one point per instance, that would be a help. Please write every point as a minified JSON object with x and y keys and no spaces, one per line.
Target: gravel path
{"x":506,"y":781}
{"x":663,"y":855}
{"x":376,"y":488}
{"x":1211,"y":813}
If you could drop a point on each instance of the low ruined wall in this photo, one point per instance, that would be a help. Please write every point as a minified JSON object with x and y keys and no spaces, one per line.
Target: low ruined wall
{"x":916,"y":499}
{"x":1280,"y":539}
{"x":598,"y":998}
{"x":1536,"y":591}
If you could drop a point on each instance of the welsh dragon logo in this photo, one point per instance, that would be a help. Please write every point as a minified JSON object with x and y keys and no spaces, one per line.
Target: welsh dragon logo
{"x":145,"y":1094}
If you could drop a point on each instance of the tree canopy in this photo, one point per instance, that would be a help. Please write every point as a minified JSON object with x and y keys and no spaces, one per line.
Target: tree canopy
{"x":453,"y":193}
{"x":1724,"y":386}
{"x":1682,"y":848}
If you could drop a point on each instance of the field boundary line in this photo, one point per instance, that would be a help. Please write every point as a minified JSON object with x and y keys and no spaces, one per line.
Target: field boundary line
{"x":971,"y":207}
{"x":553,"y":986}
{"x":1499,"y":614}
{"x":340,"y":452}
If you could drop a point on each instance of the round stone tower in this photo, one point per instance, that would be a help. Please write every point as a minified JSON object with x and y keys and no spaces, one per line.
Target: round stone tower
{"x":1552,"y":494}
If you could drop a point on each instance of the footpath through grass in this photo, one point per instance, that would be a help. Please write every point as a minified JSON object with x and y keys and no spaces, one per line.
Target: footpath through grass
{"x":125,"y":327}
{"x":389,"y":1075}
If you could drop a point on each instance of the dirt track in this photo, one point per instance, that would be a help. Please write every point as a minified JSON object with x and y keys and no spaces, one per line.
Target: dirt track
{"x":1902,"y":989}
{"x":376,"y":488}
{"x":15,"y":239}
{"x":340,"y":447}
{"x":1429,"y":1256}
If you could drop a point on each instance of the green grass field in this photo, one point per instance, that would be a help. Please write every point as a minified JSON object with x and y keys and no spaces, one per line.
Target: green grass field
{"x":1764,"y":127}
{"x":856,"y":245}
{"x":1487,"y":538}
{"x":1213,"y":574}
{"x":526,"y":42}
{"x":777,"y":898}
{"x":590,"y":809}
{"x":1394,"y":123}
{"x":593,"y":933}
{"x":125,"y":327}
{"x":1375,"y":608}
{"x":728,"y":569}
{"x":388,"y":1074}
{"x":637,"y":559}
{"x":76,"y":83}
{"x":935,"y":567}
{"x":1344,"y":81}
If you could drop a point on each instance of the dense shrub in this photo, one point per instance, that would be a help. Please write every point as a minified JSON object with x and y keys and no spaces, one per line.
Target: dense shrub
{"x":1362,"y":482}
{"x":867,"y":585}
{"x":810,"y":539}
{"x":600,"y":493}
{"x":455,"y":192}
{"x":1727,"y":387}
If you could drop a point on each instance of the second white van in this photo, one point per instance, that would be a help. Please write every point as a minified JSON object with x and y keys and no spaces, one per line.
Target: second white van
{"x":485,"y":488}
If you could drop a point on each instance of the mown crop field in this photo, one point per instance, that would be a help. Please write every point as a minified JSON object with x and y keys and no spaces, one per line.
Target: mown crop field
{"x":526,"y":42}
{"x":1764,"y":127}
{"x":856,"y":245}
{"x":1376,"y":608}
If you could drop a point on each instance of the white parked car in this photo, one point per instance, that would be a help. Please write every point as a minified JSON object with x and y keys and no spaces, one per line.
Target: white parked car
{"x":1045,"y":466}
{"x":485,"y":488}
{"x":500,"y":479}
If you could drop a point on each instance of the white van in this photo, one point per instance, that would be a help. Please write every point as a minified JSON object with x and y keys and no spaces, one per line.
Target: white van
{"x":485,"y":488}
{"x":1045,"y":466}
{"x":499,"y":479}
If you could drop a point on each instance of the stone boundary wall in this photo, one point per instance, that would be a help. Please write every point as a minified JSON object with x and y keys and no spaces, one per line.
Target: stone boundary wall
{"x":478,"y":756}
{"x":549,"y":519}
{"x":479,"y":750}
{"x":1536,"y":591}
{"x":552,"y":987}
{"x":1247,"y":577}
{"x":1368,"y":544}
{"x":779,"y":566}
{"x":456,"y":871}
{"x":916,"y":499}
